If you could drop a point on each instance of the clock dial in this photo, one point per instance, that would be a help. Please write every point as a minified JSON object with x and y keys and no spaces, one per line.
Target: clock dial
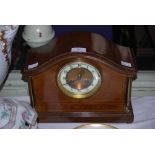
{"x":79,"y":79}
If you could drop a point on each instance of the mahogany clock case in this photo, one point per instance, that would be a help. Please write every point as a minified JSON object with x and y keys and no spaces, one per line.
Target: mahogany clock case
{"x":111,"y":102}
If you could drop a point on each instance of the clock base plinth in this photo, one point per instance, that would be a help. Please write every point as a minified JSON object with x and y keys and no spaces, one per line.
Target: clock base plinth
{"x":113,"y":118}
{"x":86,"y":117}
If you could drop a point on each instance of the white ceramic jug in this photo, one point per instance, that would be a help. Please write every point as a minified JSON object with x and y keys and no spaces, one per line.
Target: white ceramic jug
{"x":7,"y":34}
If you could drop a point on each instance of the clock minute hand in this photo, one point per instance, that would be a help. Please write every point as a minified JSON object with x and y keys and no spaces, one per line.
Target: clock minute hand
{"x":80,"y":74}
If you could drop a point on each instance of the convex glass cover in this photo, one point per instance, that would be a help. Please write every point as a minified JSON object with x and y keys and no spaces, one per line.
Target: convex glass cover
{"x":79,"y":79}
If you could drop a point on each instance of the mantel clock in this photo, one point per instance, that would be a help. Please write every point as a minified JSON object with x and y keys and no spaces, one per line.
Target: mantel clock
{"x":81,"y":77}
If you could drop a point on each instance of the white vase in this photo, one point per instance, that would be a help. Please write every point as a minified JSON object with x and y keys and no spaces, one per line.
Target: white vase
{"x":38,"y":35}
{"x":7,"y":34}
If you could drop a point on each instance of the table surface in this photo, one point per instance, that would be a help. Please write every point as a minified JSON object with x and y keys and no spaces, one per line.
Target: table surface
{"x":143,"y":108}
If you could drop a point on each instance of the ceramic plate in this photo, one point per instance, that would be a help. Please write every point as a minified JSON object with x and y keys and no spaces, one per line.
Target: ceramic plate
{"x":95,"y":126}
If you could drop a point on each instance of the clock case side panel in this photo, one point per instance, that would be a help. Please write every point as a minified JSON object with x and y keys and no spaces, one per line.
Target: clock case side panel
{"x":31,"y":91}
{"x":128,"y":97}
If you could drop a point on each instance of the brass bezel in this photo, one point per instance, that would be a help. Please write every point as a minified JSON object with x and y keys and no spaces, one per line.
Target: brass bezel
{"x":78,"y":96}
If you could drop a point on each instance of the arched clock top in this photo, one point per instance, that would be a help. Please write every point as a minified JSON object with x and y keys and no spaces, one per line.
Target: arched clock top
{"x":81,"y":44}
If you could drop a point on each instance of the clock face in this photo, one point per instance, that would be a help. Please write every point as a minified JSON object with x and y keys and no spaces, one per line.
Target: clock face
{"x":79,"y":79}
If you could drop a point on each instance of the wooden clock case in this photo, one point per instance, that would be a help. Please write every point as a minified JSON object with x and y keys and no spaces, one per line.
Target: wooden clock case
{"x":111,"y":103}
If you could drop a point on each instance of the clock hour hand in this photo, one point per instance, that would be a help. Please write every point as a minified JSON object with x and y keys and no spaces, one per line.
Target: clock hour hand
{"x":72,"y":81}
